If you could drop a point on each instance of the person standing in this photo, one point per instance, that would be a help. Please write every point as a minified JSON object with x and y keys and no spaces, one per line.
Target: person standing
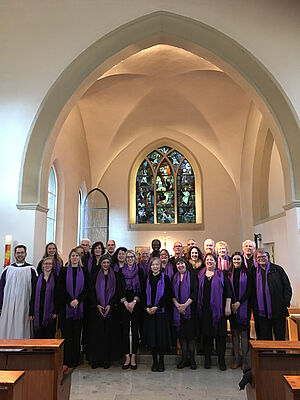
{"x":214,"y":305}
{"x":248,"y":248}
{"x":43,"y":310}
{"x":16,"y":286}
{"x":110,"y":247}
{"x":271,"y":297}
{"x":157,"y":327}
{"x":184,"y":286}
{"x":52,"y":252}
{"x":73,"y":290}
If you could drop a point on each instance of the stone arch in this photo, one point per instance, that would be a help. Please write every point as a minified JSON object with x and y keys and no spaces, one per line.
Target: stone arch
{"x":156,"y":28}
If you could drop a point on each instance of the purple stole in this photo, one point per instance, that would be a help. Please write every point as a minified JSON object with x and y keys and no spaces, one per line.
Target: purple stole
{"x":245,"y":261}
{"x":185,"y":289}
{"x":216,"y":295}
{"x":169,"y":270}
{"x":144,"y":266}
{"x":90,"y":263}
{"x":56,"y":267}
{"x":131,"y":277}
{"x":242,"y":311}
{"x":260,"y":294}
{"x":103,"y":295}
{"x":223,"y":264}
{"x":48,"y":302}
{"x":159,"y":292}
{"x":77,"y":312}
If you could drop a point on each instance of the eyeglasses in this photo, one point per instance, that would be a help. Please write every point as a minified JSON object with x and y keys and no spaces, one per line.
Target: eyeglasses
{"x":130,"y":257}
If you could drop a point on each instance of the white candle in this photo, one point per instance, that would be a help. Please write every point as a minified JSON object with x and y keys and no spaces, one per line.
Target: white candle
{"x":8,"y":239}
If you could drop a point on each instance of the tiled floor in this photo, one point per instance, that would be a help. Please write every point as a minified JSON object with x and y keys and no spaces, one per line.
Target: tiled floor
{"x":143,"y":384}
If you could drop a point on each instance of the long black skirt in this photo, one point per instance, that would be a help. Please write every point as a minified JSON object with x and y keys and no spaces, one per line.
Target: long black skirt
{"x":104,"y":338}
{"x":157,"y":333}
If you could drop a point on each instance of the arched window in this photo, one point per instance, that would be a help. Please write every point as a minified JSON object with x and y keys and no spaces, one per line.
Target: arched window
{"x":165,"y":188}
{"x":52,"y":201}
{"x":79,"y":214}
{"x":95,"y":216}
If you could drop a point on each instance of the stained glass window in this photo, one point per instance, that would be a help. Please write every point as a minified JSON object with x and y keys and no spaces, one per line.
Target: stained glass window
{"x":165,"y":188}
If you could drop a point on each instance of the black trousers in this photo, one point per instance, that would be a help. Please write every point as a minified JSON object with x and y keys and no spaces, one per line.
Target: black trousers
{"x":46,"y":332}
{"x":134,"y":318}
{"x":71,"y":332}
{"x":264,"y":328}
{"x":208,"y":342}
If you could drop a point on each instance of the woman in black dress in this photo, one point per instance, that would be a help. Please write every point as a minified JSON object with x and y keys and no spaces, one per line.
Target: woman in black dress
{"x":104,"y":325}
{"x":184,"y":286}
{"x":92,"y":264}
{"x":131,"y":283}
{"x":52,"y":252}
{"x":157,"y":327}
{"x":195,"y":260}
{"x":214,"y":302}
{"x":240,"y":318}
{"x":223,"y":257}
{"x":119,"y":258}
{"x":166,"y":266}
{"x":43,"y":306}
{"x":73,"y":290}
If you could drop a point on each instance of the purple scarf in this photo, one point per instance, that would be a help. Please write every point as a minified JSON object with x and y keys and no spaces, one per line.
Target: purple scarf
{"x":159,"y":292}
{"x":56,"y":267}
{"x":242,"y":312}
{"x":223,"y":265}
{"x":48,"y":302}
{"x":144,"y":266}
{"x":260,"y":294}
{"x":169,"y":270}
{"x":216,"y":295}
{"x":90,"y":263}
{"x":116,"y":267}
{"x":105,"y":296}
{"x":185,"y":288}
{"x":132,"y":277}
{"x":74,"y":313}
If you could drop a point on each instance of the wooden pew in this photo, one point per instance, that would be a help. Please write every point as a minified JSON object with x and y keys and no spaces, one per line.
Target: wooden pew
{"x":11,"y":385}
{"x":292,"y":387}
{"x":42,"y":360}
{"x":270,"y":361}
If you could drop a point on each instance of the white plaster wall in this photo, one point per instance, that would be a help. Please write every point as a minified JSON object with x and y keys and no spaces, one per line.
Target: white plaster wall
{"x":220,"y":201}
{"x":276,"y":184}
{"x":284,"y":232}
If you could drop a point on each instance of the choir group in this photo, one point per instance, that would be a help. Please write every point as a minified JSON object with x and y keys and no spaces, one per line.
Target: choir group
{"x":101,"y":295}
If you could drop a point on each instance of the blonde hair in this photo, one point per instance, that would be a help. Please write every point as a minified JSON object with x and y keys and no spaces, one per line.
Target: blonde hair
{"x":221,"y":244}
{"x":132,"y":252}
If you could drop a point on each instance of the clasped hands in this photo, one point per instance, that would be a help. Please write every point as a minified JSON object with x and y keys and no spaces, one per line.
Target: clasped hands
{"x":151,"y":310}
{"x":129,"y":306}
{"x":235,"y":307}
{"x":181,"y":308}
{"x":103,"y":310}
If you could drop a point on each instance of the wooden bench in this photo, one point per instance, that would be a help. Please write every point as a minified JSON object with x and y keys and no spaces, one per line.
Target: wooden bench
{"x":270,"y":361}
{"x":11,"y":385}
{"x":292,"y":387}
{"x":42,"y":360}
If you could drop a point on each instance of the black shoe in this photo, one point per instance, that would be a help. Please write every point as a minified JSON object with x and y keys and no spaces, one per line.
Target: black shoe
{"x":222,"y":365}
{"x":133,"y":366}
{"x":94,"y":365}
{"x":207,"y":362}
{"x":193,"y":364}
{"x":154,"y":366}
{"x":126,"y":366}
{"x":183,"y":363}
{"x":106,"y":365}
{"x":161,"y":366}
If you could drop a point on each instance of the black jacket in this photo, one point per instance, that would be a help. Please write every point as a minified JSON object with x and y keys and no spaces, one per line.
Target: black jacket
{"x":280,"y":291}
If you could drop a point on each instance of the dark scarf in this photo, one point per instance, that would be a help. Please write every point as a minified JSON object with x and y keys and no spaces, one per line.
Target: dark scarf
{"x":48,"y":302}
{"x":216,"y":295}
{"x":160,"y":288}
{"x":169,"y":270}
{"x":56,"y":267}
{"x":242,"y":312}
{"x":90,"y":263}
{"x":260,"y":294}
{"x":185,"y":289}
{"x":104,"y":296}
{"x":144,"y":266}
{"x":132,"y":277}
{"x":77,"y":312}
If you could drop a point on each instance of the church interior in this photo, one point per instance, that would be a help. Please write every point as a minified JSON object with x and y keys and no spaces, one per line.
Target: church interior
{"x":90,"y":89}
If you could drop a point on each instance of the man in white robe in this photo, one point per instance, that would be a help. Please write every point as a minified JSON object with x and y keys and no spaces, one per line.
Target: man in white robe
{"x":16,"y":284}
